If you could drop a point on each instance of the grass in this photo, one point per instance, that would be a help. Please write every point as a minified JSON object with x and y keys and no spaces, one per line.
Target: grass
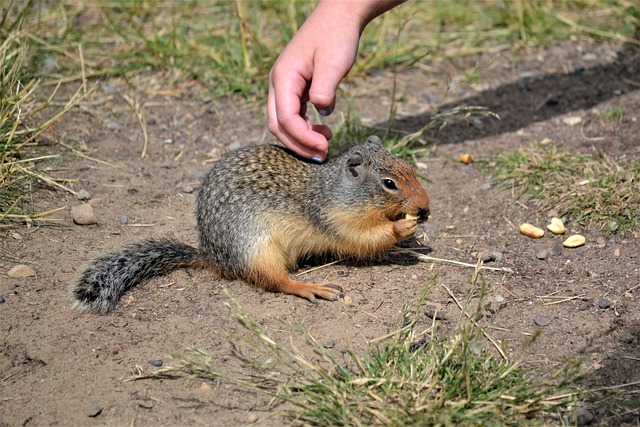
{"x":601,"y":191}
{"x":411,"y":377}
{"x":230,"y":45}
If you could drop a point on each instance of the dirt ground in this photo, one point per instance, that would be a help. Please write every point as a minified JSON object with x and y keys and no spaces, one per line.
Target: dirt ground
{"x":56,"y":364}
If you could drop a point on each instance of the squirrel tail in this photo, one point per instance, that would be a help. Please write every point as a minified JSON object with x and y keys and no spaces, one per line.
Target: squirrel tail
{"x":104,"y":282}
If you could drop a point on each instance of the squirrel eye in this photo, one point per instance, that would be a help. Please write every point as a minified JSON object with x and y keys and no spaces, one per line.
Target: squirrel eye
{"x":390,"y":184}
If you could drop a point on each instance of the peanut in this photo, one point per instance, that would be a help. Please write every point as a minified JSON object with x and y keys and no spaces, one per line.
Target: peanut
{"x":531,"y":231}
{"x":556,"y":226}
{"x":574,"y":241}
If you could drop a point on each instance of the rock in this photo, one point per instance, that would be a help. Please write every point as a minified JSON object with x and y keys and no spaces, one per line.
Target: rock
{"x":21,"y":271}
{"x":498,"y":298}
{"x":83,"y":214}
{"x":434,"y":313}
{"x":145,"y":404}
{"x":347,"y":300}
{"x":124,"y":219}
{"x":83,"y":195}
{"x":582,"y":417}
{"x":604,"y":303}
{"x":486,"y":256}
{"x":572,"y":120}
{"x":329,"y":343}
{"x":94,"y":411}
{"x":187,"y":189}
{"x":2,"y":300}
{"x":542,"y":320}
{"x":155,"y":362}
{"x":542,"y":254}
{"x":557,"y":250}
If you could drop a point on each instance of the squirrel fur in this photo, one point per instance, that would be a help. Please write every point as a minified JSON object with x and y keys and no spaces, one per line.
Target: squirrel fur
{"x":262,"y":209}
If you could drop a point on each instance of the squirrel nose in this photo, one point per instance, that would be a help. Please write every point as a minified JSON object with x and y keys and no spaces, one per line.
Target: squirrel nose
{"x":423,"y":214}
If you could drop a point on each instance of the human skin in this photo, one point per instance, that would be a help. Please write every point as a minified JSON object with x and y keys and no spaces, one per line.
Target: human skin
{"x":311,"y":67}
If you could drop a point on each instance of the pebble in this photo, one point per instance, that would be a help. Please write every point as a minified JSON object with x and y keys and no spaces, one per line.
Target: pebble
{"x":542,"y":320}
{"x":487,"y":256}
{"x":145,"y":404}
{"x":187,"y":189}
{"x":124,"y":219}
{"x":347,"y":300}
{"x":433,"y":313}
{"x":582,"y":417}
{"x":2,"y":300}
{"x":572,"y":120}
{"x":542,"y":254}
{"x":199,"y":175}
{"x":20,"y":271}
{"x":329,"y":344}
{"x":604,"y":303}
{"x":557,"y":250}
{"x":94,"y":411}
{"x":83,"y":195}
{"x":83,"y":214}
{"x":498,"y":298}
{"x":155,"y":362}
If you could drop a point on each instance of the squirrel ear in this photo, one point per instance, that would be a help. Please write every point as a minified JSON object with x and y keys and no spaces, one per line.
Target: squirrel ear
{"x":374,"y":140}
{"x":354,"y":164}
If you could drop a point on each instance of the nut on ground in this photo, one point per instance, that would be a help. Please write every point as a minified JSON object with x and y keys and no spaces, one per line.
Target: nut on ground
{"x":531,"y":230}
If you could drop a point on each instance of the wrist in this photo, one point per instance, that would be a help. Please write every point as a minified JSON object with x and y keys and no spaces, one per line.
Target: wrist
{"x":359,"y":12}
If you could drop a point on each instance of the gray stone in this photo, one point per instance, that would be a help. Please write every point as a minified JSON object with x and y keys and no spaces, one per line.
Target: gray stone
{"x":83,"y":195}
{"x":604,"y":303}
{"x":328,"y":344}
{"x":582,"y":417}
{"x":542,"y":254}
{"x":83,"y":214}
{"x":155,"y":362}
{"x":542,"y":320}
{"x":94,"y":411}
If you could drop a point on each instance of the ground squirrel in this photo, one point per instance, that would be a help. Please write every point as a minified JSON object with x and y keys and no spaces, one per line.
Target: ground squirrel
{"x":261,"y":210}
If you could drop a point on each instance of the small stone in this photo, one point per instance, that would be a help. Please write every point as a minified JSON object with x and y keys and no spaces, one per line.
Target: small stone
{"x":572,"y":120}
{"x":21,"y":271}
{"x":487,"y":256}
{"x":199,"y":175}
{"x":542,"y":254}
{"x":155,"y":362}
{"x":498,"y":298}
{"x":94,"y":411}
{"x":83,"y":195}
{"x":616,"y":252}
{"x":542,"y":320}
{"x":613,"y":226}
{"x":556,"y":250}
{"x":347,"y":300}
{"x":252,"y":418}
{"x":83,"y":214}
{"x":329,"y":344}
{"x":434,"y":313}
{"x":145,"y":404}
{"x":187,"y":189}
{"x":604,"y":303}
{"x":2,"y":300}
{"x":205,"y":387}
{"x":124,"y":219}
{"x":582,"y":417}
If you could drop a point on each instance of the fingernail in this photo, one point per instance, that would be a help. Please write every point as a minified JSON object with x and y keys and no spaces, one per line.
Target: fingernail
{"x":316,"y":159}
{"x":325,"y":111}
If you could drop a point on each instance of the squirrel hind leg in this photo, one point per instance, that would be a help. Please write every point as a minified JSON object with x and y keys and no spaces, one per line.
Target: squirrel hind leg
{"x":269,"y":271}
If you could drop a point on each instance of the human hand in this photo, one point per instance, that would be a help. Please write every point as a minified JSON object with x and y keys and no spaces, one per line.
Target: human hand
{"x":310,"y":69}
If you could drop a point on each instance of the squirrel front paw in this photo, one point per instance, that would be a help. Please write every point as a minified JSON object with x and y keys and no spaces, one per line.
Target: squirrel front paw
{"x":405,"y":228}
